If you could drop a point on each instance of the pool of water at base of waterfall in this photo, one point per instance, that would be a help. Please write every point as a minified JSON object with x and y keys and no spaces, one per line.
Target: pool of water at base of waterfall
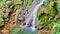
{"x":27,"y":31}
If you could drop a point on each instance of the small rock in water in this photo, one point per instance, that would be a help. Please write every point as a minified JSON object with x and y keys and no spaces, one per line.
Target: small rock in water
{"x":24,"y":23}
{"x":29,"y":25}
{"x":35,"y":26}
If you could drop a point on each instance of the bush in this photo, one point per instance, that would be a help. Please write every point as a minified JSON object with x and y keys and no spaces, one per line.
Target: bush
{"x":50,"y":14}
{"x":6,"y":8}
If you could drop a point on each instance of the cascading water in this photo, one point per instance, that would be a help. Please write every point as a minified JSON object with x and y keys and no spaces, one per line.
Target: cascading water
{"x":33,"y":16}
{"x":30,"y":18}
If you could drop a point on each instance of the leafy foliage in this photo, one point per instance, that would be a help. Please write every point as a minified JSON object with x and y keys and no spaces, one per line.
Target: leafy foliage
{"x":17,"y":2}
{"x":50,"y":14}
{"x":56,"y":28}
{"x":30,"y":2}
{"x":15,"y":30}
{"x":6,"y":8}
{"x":45,"y":22}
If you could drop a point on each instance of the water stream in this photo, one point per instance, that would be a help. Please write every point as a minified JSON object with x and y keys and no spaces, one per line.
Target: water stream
{"x":33,"y":16}
{"x":30,"y":18}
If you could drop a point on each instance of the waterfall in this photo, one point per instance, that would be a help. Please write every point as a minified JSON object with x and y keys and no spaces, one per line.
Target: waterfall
{"x":33,"y":16}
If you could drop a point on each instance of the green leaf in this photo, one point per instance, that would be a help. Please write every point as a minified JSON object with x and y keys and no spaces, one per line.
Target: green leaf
{"x":25,"y":2}
{"x":1,"y":22}
{"x":30,"y":2}
{"x":8,"y":3}
{"x":56,"y":28}
{"x":17,"y":2}
{"x":58,"y":7}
